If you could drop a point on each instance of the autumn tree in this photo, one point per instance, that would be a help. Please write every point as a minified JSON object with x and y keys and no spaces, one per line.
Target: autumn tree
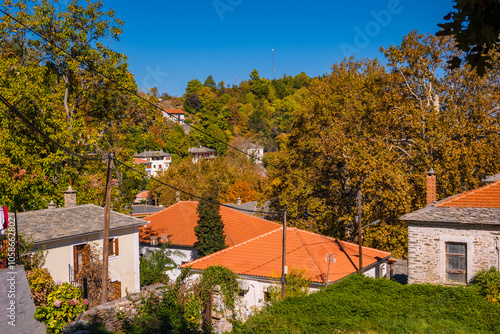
{"x":210,"y":228}
{"x":365,"y":127}
{"x":52,"y":81}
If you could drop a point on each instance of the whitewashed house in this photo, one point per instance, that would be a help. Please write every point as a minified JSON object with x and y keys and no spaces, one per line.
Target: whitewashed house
{"x":65,"y":232}
{"x":155,"y":162}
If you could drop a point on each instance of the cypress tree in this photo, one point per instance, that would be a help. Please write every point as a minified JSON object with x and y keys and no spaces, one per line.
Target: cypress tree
{"x":210,"y":228}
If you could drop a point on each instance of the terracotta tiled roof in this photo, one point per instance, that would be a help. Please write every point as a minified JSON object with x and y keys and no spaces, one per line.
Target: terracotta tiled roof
{"x":140,"y":161}
{"x":174,"y":111}
{"x":262,"y":256}
{"x":142,"y":194}
{"x":484,"y":197}
{"x":480,"y":205}
{"x":176,"y":225}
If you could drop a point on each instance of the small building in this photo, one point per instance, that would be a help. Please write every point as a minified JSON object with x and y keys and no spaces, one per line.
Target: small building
{"x":199,"y":153}
{"x":450,"y":240}
{"x":176,"y":224}
{"x":256,"y":152}
{"x":65,"y":232}
{"x":322,"y":259}
{"x":175,"y":115}
{"x":155,"y":162}
{"x":142,"y":197}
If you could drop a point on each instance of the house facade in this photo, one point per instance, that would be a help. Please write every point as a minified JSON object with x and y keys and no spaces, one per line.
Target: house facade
{"x":323,"y":260}
{"x":450,"y":240}
{"x":66,"y":232}
{"x":175,"y":225}
{"x":155,"y":162}
{"x":199,"y":153}
{"x":175,"y":115}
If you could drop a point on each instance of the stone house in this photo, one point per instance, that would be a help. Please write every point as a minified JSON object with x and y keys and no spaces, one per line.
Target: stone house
{"x":199,"y":153}
{"x":324,"y":260}
{"x":450,"y":240}
{"x":65,"y":232}
{"x":175,"y":225}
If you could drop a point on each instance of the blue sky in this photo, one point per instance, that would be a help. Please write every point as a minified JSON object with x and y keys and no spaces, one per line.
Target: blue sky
{"x":171,"y":42}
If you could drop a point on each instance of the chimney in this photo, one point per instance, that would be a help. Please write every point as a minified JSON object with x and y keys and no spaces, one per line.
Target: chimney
{"x":430,"y":186}
{"x":52,"y":205}
{"x":238,"y":201}
{"x":177,"y":196}
{"x":69,"y":197}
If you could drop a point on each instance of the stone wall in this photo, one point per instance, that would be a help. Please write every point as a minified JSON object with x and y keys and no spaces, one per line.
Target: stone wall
{"x":426,"y":249}
{"x":107,"y":313}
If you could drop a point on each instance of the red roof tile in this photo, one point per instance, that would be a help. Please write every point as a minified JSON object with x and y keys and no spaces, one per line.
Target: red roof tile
{"x":139,"y":161}
{"x":142,"y":194}
{"x":174,"y":111}
{"x":176,"y":223}
{"x":307,"y":251}
{"x":484,"y":197}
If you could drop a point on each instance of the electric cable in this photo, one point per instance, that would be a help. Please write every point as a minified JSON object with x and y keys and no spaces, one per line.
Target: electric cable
{"x":40,"y":132}
{"x":89,"y":66}
{"x":189,"y":194}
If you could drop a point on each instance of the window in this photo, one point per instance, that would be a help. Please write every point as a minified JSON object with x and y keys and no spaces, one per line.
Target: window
{"x":113,"y":247}
{"x":456,"y":262}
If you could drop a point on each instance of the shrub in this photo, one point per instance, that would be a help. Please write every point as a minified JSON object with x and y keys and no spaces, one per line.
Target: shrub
{"x":487,"y":283}
{"x":41,"y":284}
{"x":154,"y":264}
{"x":296,"y":286}
{"x":63,"y":305}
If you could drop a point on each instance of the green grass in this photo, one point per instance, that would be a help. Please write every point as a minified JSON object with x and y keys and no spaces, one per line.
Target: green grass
{"x":363,"y":305}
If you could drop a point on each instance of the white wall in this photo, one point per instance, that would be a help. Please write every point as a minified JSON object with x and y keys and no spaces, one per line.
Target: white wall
{"x":124,"y":267}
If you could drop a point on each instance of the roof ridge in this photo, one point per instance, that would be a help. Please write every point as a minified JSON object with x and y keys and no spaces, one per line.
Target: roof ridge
{"x":309,"y":253}
{"x":239,"y":211}
{"x":234,"y":246}
{"x":342,"y":241}
{"x":456,"y":197}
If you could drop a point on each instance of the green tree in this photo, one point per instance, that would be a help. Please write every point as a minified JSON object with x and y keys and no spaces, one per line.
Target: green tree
{"x":210,"y":228}
{"x":475,"y":25}
{"x":70,"y":103}
{"x":210,"y":83}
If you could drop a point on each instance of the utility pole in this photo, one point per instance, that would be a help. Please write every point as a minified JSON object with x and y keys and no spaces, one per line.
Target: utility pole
{"x":360,"y":232}
{"x":105,"y":233}
{"x":283,"y":259}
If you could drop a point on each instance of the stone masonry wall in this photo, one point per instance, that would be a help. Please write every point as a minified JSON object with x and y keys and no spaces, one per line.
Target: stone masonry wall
{"x":426,"y":249}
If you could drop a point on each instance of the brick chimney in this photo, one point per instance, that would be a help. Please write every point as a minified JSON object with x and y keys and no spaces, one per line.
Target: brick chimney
{"x":430,"y":178}
{"x":69,"y":197}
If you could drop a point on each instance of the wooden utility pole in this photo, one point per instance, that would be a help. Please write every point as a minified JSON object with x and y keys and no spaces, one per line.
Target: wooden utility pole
{"x":105,"y":233}
{"x":283,"y":260}
{"x":360,"y":232}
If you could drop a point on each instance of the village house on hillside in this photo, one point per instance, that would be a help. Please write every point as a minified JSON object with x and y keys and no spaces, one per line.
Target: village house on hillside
{"x":258,"y":262}
{"x":155,"y":162}
{"x":449,"y":241}
{"x":65,"y":232}
{"x":199,"y":153}
{"x":176,"y":224}
{"x":175,"y":115}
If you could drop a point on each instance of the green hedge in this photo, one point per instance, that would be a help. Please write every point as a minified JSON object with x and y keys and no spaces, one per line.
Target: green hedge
{"x":363,"y":305}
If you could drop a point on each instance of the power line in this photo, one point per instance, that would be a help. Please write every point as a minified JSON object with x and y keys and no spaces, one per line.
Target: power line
{"x":189,"y":194}
{"x":89,"y":66}
{"x":69,"y":151}
{"x":40,"y":132}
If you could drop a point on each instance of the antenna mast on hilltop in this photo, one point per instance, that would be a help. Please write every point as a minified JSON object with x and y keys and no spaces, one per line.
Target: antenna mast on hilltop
{"x":273,"y":61}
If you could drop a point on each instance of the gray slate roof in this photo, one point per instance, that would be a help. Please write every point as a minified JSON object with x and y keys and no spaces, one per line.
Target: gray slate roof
{"x":492,"y":178}
{"x":53,"y":224}
{"x":150,"y":154}
{"x":141,"y":208}
{"x":435,"y":214}
{"x":201,"y":150}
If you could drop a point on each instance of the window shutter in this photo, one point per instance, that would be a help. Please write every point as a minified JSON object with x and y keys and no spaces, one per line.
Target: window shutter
{"x":116,"y":247}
